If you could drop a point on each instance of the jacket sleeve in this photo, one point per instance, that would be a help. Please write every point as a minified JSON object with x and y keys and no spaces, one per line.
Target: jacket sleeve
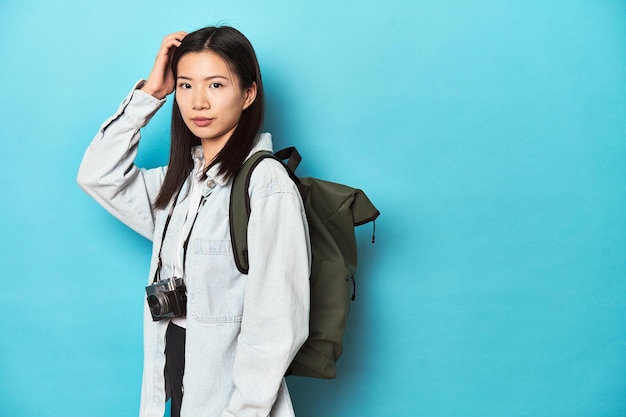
{"x":108,"y":172}
{"x":275,"y":320}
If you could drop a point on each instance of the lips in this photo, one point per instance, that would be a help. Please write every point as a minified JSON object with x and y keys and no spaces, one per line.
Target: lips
{"x":202,"y":121}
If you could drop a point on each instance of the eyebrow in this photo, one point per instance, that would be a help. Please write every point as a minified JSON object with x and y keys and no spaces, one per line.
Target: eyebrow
{"x":210,"y":77}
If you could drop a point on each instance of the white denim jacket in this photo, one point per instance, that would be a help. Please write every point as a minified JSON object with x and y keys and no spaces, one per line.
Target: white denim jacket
{"x":242,"y":330}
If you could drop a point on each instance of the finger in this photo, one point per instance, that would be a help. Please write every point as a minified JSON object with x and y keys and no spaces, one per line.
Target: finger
{"x":177,"y":36}
{"x":169,"y":44}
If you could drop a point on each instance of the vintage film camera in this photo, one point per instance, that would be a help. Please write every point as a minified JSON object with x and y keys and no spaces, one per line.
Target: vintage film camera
{"x":167,"y":299}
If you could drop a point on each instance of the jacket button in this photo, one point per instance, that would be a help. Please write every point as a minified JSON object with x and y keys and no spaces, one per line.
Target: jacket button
{"x":211,"y":184}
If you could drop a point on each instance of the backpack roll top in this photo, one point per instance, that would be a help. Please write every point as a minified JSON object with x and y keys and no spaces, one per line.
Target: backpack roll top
{"x":340,"y":209}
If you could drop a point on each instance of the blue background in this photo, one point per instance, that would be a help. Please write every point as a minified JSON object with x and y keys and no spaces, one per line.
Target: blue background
{"x":490,"y":134}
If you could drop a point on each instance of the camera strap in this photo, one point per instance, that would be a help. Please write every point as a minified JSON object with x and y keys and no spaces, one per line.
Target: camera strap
{"x":185,"y":243}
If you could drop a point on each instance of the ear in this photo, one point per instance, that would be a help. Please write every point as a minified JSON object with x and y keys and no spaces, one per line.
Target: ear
{"x":249,"y":95}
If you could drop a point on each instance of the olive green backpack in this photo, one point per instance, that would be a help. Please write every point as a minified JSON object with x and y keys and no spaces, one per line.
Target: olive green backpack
{"x":332,"y":210}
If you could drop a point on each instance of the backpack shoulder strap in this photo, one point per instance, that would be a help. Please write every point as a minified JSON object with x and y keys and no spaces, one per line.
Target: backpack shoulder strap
{"x":239,"y":209}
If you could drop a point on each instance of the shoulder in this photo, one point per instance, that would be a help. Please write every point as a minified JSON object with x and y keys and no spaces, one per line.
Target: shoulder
{"x":270,"y":177}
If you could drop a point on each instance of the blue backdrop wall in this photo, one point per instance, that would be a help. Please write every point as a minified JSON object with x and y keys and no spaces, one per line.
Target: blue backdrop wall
{"x":490,"y":134}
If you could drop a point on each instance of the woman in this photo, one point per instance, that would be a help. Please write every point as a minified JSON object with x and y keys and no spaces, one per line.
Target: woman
{"x":227,"y":354}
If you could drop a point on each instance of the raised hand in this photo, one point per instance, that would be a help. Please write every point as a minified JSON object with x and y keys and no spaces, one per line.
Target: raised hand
{"x":161,"y":81}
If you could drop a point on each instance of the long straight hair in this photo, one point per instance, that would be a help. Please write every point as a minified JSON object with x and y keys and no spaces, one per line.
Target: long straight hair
{"x":237,"y":51}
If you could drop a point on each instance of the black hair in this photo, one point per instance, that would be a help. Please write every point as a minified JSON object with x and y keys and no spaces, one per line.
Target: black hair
{"x":237,"y":51}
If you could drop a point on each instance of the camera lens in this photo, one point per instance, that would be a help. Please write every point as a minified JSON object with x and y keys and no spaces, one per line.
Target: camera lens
{"x":158,"y":304}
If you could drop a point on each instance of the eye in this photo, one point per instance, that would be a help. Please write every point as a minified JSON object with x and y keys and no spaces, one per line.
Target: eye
{"x":184,"y":86}
{"x":216,"y":85}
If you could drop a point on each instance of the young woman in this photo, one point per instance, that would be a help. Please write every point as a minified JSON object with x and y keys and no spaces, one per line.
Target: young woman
{"x":224,"y":350}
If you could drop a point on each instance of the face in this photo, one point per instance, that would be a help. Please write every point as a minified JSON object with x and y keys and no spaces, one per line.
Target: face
{"x":210,"y":98}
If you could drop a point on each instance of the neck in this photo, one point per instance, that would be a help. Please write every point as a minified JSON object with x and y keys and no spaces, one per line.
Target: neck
{"x":212,"y":146}
{"x":210,"y":149}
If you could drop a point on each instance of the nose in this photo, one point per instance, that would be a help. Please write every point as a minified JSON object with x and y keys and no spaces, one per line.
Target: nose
{"x":200,"y":100}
